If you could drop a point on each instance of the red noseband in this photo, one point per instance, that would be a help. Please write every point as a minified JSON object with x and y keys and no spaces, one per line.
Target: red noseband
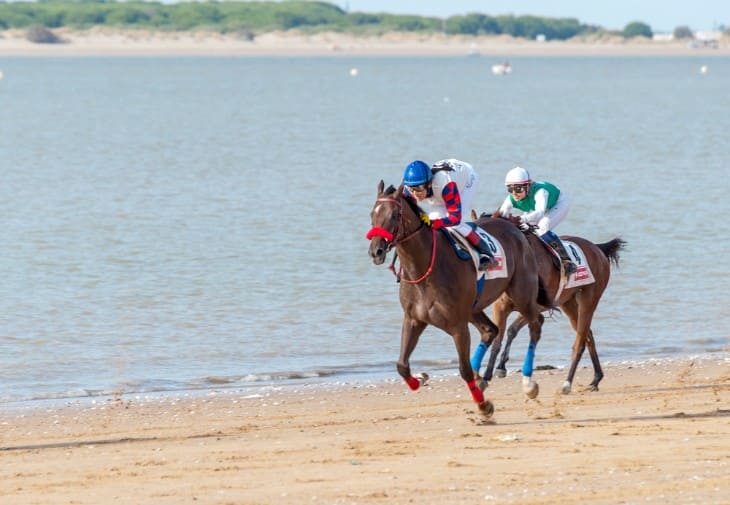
{"x":377,"y":231}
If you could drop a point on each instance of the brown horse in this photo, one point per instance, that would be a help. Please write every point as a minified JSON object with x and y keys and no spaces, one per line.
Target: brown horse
{"x":579,"y":303}
{"x":440,"y":289}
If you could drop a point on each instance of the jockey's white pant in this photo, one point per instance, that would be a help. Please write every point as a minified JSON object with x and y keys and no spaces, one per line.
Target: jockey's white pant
{"x":554,"y":216}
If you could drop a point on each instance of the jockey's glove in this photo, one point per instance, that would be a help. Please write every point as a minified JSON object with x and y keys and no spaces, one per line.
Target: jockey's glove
{"x":426,"y":220}
{"x":525,"y":226}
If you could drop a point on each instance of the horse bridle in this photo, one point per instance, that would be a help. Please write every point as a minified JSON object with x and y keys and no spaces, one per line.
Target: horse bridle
{"x":393,"y":240}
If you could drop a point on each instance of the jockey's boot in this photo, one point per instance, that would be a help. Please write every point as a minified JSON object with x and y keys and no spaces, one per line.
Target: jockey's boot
{"x":486,"y":258}
{"x":554,"y":241}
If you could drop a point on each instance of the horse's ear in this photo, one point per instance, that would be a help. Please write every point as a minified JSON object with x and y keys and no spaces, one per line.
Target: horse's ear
{"x":399,"y":191}
{"x":381,"y":187}
{"x":474,"y":216}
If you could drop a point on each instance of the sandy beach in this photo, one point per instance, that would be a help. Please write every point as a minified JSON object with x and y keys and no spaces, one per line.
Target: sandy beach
{"x":656,"y":432}
{"x":106,"y":42}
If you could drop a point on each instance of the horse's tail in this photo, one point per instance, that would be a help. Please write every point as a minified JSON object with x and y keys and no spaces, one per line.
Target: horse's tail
{"x":611,"y":249}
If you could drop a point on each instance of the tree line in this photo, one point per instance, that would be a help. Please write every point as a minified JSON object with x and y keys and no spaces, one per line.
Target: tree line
{"x":253,"y":18}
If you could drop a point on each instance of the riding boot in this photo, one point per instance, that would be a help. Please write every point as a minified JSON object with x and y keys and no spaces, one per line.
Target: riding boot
{"x":486,"y":258}
{"x":554,"y":241}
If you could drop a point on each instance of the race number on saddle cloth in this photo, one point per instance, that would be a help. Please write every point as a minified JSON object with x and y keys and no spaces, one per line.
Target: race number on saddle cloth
{"x":495,"y":271}
{"x":582,"y":274}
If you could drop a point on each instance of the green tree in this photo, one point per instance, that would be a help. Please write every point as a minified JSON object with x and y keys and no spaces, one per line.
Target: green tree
{"x":472,"y":24}
{"x":637,"y":29}
{"x":683,"y":32}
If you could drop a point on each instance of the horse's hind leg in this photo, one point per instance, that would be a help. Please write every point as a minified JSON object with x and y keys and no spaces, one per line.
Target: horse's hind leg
{"x":597,"y":371}
{"x":512,"y":332}
{"x":488,"y":332}
{"x":501,"y":309}
{"x":410,"y":332}
{"x":581,"y":318}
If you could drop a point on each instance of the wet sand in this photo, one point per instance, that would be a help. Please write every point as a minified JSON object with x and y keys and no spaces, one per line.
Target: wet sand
{"x":657,"y":432}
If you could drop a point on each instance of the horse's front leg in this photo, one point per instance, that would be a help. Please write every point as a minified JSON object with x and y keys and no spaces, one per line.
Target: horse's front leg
{"x":410,"y":332}
{"x":488,"y":332}
{"x":529,"y":386}
{"x":462,"y":341}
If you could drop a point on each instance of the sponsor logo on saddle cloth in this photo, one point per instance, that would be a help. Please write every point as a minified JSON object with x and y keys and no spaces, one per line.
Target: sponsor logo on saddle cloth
{"x":493,"y":272}
{"x":583,"y":274}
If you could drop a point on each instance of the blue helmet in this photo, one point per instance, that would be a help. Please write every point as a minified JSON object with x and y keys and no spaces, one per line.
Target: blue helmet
{"x":417,"y":173}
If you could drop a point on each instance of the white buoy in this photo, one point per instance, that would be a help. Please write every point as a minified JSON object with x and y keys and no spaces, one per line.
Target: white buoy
{"x":353,"y":72}
{"x":703,"y":69}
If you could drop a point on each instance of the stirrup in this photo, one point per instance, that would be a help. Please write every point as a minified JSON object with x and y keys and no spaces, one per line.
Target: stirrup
{"x":486,"y":261}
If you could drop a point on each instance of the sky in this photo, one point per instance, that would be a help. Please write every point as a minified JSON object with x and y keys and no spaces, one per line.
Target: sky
{"x":660,"y":15}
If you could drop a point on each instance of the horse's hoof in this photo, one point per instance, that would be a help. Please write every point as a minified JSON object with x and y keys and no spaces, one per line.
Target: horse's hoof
{"x":592,"y":388}
{"x":483,"y":385}
{"x":567,"y":388}
{"x":530,"y":387}
{"x":500,"y":373}
{"x":486,"y":408}
{"x":422,"y":378}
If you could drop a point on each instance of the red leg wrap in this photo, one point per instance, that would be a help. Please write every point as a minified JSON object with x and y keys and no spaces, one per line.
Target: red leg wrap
{"x":476,"y":393}
{"x":413,"y":383}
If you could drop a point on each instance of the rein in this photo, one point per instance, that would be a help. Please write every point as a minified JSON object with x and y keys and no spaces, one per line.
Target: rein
{"x":393,"y":240}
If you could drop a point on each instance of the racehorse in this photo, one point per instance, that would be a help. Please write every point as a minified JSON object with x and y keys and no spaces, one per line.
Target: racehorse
{"x":579,"y":303}
{"x":440,"y":289}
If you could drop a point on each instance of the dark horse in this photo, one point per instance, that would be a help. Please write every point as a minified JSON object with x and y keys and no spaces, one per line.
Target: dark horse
{"x":578,"y":303}
{"x":440,"y":289}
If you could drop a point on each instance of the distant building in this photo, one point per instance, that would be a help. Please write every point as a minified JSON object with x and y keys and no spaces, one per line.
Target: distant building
{"x":706,"y":39}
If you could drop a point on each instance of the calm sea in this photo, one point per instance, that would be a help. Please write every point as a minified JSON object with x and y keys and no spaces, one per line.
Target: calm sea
{"x":179,"y":224}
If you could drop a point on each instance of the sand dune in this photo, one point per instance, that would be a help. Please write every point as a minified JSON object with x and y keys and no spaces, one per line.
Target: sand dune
{"x":107,"y":42}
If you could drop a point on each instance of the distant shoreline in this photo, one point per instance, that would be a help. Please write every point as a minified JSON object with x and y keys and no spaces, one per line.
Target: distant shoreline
{"x":105,"y":42}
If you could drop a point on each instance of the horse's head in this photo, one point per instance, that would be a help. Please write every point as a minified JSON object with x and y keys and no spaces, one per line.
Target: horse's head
{"x":394,"y":220}
{"x":385,"y":220}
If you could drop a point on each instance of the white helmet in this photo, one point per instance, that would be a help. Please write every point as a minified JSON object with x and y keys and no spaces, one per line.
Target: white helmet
{"x":517,"y":175}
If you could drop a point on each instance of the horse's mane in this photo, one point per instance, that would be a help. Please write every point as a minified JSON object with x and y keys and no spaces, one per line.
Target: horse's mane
{"x":392,"y":192}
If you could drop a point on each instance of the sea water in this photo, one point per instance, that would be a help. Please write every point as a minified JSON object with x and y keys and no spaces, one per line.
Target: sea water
{"x":178,"y":224}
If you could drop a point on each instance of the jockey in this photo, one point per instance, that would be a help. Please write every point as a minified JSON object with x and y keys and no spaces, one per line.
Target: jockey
{"x":543,"y":205}
{"x":444,"y":194}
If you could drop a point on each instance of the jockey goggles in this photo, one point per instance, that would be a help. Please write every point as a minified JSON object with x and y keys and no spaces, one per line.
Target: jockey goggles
{"x":516,"y":188}
{"x":418,"y":189}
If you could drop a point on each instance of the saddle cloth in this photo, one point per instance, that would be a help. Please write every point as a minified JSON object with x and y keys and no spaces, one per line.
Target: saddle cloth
{"x":493,"y":272}
{"x":583,"y":274}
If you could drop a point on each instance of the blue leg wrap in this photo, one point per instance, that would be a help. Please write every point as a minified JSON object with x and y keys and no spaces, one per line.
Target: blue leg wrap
{"x":478,"y":356}
{"x":529,"y":359}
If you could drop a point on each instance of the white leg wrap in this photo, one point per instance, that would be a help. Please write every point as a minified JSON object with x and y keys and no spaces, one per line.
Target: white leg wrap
{"x":530,"y":387}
